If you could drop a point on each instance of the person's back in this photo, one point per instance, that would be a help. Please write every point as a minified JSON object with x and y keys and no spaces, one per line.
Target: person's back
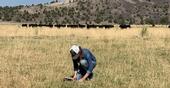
{"x":87,"y":54}
{"x":90,"y":58}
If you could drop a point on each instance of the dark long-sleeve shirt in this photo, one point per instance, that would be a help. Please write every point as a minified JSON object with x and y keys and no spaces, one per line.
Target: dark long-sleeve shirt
{"x":89,"y":57}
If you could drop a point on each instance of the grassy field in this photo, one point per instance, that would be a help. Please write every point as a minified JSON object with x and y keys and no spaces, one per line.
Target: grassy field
{"x":39,"y":57}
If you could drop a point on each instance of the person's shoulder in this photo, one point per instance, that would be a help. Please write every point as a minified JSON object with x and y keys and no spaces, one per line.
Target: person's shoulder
{"x":85,"y":50}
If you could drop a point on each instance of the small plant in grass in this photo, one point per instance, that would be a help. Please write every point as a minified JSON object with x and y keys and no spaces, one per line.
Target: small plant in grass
{"x":36,"y":32}
{"x":144,"y":32}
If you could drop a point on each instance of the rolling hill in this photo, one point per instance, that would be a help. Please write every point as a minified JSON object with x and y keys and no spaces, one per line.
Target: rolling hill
{"x":91,"y":12}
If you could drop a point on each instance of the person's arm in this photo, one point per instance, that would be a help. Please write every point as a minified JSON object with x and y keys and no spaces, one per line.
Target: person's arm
{"x":75,"y":75}
{"x":84,"y":77}
{"x":90,"y":67}
{"x":75,"y":65}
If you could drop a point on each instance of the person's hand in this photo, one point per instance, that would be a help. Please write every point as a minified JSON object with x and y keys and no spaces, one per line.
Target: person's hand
{"x":81,"y":80}
{"x":75,"y":75}
{"x":74,"y":78}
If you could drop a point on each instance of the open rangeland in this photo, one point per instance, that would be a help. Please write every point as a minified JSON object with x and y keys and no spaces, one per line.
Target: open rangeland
{"x":39,"y":57}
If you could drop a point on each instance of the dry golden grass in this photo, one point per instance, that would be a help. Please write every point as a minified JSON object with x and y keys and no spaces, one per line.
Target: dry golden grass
{"x":39,"y":57}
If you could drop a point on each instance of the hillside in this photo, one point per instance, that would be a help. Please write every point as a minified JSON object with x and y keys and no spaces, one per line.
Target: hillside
{"x":135,"y":11}
{"x":91,"y":12}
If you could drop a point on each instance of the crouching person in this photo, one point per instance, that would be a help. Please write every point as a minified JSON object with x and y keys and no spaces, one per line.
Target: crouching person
{"x":84,"y":62}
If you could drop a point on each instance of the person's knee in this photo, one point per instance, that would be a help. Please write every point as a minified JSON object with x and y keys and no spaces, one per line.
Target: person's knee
{"x":84,"y":63}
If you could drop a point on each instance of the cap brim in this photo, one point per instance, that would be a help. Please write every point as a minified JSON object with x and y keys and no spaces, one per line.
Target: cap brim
{"x":75,"y":57}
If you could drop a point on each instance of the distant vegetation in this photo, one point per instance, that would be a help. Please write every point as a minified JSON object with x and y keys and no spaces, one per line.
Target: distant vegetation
{"x":91,"y":12}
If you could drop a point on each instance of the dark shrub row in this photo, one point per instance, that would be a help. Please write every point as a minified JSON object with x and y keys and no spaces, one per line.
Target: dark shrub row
{"x":69,"y":26}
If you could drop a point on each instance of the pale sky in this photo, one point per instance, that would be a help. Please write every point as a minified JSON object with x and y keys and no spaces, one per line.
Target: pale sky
{"x":22,"y":2}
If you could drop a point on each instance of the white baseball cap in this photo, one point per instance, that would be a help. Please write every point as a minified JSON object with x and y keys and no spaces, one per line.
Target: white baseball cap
{"x":74,"y":50}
